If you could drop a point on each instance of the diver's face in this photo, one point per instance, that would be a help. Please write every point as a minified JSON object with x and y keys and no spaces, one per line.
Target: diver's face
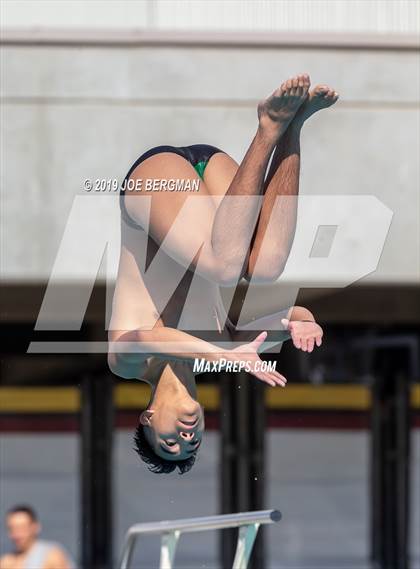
{"x":174,"y":431}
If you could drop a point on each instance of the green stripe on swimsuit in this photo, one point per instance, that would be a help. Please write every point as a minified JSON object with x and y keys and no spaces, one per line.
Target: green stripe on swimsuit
{"x":200,"y":167}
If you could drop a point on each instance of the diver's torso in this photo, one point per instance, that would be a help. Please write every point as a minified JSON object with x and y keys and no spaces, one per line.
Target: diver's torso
{"x":165,"y":294}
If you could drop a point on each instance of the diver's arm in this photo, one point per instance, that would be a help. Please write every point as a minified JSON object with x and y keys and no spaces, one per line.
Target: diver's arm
{"x":162,"y":340}
{"x":305,"y":332}
{"x":128,"y":352}
{"x":297,"y":323}
{"x":132,"y":348}
{"x":300,"y":313}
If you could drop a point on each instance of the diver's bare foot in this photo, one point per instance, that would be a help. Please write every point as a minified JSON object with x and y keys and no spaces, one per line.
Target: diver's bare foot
{"x":319,"y":98}
{"x":277,"y":111}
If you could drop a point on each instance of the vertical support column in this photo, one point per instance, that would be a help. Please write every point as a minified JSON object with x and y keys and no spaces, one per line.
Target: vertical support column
{"x":168,"y":544}
{"x":227,"y":464}
{"x":242,"y":457}
{"x":96,"y":471}
{"x":403,"y":424}
{"x":247,"y":535}
{"x":257,"y":426}
{"x":390,"y":454}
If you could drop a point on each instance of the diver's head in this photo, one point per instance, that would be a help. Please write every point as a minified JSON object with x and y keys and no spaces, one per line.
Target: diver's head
{"x":169,"y":434}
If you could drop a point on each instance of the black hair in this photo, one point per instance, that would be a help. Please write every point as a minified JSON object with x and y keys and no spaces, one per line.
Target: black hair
{"x":23,"y":509}
{"x":156,"y":463}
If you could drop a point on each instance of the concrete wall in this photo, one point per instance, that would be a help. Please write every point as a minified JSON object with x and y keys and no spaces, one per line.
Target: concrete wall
{"x":387,"y":16}
{"x":72,"y":112}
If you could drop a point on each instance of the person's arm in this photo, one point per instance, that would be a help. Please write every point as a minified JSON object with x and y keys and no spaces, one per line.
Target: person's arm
{"x":133,"y":348}
{"x":56,"y":559}
{"x":297,"y":323}
{"x":300,"y":313}
{"x":304,"y":330}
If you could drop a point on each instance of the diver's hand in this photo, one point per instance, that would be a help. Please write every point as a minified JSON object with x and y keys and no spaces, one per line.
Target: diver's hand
{"x":249,"y":353}
{"x":305,"y":335}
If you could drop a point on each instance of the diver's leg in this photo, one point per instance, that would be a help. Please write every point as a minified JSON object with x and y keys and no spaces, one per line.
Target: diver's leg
{"x":235,"y":218}
{"x":277,"y":222}
{"x":179,"y":222}
{"x":280,"y":202}
{"x":215,"y":242}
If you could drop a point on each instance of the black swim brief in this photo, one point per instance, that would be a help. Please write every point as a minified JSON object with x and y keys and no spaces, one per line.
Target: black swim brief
{"x":197,"y":155}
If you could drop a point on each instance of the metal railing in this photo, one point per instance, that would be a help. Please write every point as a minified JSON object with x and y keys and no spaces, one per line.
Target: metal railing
{"x":248,"y":523}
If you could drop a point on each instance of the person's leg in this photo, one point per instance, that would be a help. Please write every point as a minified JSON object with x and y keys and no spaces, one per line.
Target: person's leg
{"x":266,"y":262}
{"x":238,"y":211}
{"x":277,"y":222}
{"x":179,"y":222}
{"x":195,"y":232}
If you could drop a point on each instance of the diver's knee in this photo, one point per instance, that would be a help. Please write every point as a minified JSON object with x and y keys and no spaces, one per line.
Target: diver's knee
{"x":268,"y":272}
